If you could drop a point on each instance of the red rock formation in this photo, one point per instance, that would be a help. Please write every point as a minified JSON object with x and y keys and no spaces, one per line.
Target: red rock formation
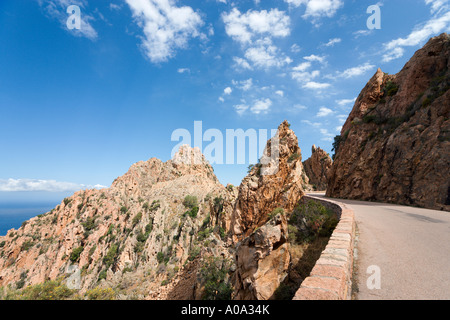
{"x":317,"y":168}
{"x":260,"y":193}
{"x":395,"y":145}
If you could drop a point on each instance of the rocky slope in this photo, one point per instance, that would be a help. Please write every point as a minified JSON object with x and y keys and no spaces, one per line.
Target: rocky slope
{"x":132,"y":237}
{"x":167,"y":230}
{"x":317,"y":169}
{"x":395,"y":144}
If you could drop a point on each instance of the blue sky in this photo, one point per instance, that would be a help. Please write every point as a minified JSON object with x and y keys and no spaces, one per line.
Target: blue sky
{"x":78,"y":107}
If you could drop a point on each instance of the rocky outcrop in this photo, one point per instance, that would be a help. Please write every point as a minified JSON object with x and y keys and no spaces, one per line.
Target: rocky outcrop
{"x":317,"y":168}
{"x":258,"y":224}
{"x":276,"y":182}
{"x":132,"y":236}
{"x":395,"y":145}
{"x":262,"y":261}
{"x":151,"y":234}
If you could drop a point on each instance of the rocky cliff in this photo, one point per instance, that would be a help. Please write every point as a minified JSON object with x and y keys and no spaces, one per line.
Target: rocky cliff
{"x":395,"y":145}
{"x":317,"y":169}
{"x":134,"y":236}
{"x":167,"y":230}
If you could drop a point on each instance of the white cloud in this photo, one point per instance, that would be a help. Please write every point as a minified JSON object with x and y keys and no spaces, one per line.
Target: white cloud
{"x":332,"y":42}
{"x":241,"y":108}
{"x":313,"y":57}
{"x":166,"y":27}
{"x":318,"y":8}
{"x":345,"y":102}
{"x":265,"y":55}
{"x":323,"y":112}
{"x":440,"y":22}
{"x":312,"y":124}
{"x":261,"y":106}
{"x":302,"y":67}
{"x":316,"y":85}
{"x":242,"y":27}
{"x":341,"y":118}
{"x":244,"y":85}
{"x":116,"y":7}
{"x":326,"y":135}
{"x":437,"y":5}
{"x":16,"y":185}
{"x":184,"y":70}
{"x":362,"y":33}
{"x":242,"y":63}
{"x":227,"y":90}
{"x":295,"y":48}
{"x":356,"y":71}
{"x":280,"y":93}
{"x":57,"y":9}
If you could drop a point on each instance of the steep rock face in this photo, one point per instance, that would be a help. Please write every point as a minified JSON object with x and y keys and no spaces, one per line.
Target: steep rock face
{"x":395,"y":145}
{"x":131,"y":236}
{"x":274,"y":183}
{"x":317,"y":168}
{"x":262,"y":261}
{"x":142,"y":237}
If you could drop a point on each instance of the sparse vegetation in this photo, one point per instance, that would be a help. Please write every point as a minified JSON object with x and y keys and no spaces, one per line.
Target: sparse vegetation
{"x":101,"y":294}
{"x":75,"y":255}
{"x":293,"y":157}
{"x":190,"y":202}
{"x":276,"y":212}
{"x":214,"y":273}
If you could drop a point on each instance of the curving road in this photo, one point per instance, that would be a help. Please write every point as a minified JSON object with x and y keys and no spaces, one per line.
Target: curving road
{"x":409,"y":248}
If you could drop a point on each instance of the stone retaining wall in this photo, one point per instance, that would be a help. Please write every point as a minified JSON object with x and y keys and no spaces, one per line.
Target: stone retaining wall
{"x":331,"y":277}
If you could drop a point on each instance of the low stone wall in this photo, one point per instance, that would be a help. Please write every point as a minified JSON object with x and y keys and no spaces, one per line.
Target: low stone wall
{"x":331,"y":277}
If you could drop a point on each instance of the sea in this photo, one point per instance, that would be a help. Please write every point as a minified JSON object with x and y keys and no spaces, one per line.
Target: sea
{"x":12,"y":215}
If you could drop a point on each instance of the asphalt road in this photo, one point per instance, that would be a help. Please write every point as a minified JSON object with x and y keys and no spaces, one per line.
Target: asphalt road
{"x":402,"y":252}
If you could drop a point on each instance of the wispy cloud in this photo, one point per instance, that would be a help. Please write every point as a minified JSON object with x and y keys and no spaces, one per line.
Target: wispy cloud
{"x":440,"y":22}
{"x":323,"y":112}
{"x":16,"y":185}
{"x":184,"y":70}
{"x":166,"y":27}
{"x":332,"y":42}
{"x":318,"y":8}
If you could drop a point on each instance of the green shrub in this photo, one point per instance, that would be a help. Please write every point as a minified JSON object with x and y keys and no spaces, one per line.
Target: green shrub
{"x":110,"y":256}
{"x":214,"y":273}
{"x":75,"y":255}
{"x":190,"y":201}
{"x":102,"y":275}
{"x":391,"y":88}
{"x":193,"y":213}
{"x":218,"y":204}
{"x":137,"y":218}
{"x":313,"y":220}
{"x":89,"y":224}
{"x":276,"y":212}
{"x":160,"y":257}
{"x":101,"y":294}
{"x":194,"y":252}
{"x":293,"y":157}
{"x":49,"y":290}
{"x":27,"y":245}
